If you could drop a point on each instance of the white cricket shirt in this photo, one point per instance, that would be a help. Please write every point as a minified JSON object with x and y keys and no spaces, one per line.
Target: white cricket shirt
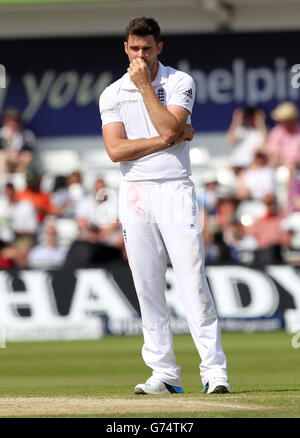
{"x":122,"y":102}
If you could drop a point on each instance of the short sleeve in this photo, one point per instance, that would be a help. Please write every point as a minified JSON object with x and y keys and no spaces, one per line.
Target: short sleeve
{"x":183,"y":92}
{"x":108,"y":109}
{"x":29,"y":141}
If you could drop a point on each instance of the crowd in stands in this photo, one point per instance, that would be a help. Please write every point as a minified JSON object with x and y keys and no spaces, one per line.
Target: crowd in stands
{"x":29,"y":217}
{"x":256,"y":221}
{"x":246,"y":223}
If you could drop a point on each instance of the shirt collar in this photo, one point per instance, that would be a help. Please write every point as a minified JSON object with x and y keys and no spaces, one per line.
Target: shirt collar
{"x":161,"y":78}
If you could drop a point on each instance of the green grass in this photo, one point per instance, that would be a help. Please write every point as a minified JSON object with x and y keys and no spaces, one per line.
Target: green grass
{"x":54,"y":1}
{"x":263,"y":370}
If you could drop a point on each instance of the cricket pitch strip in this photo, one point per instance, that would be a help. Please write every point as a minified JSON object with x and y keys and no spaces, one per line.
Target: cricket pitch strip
{"x":89,"y":406}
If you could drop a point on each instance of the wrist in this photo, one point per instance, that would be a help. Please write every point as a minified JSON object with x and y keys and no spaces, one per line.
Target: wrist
{"x":145,"y":87}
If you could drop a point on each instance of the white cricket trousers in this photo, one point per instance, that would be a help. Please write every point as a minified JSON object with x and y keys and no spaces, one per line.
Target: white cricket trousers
{"x":160,"y":218}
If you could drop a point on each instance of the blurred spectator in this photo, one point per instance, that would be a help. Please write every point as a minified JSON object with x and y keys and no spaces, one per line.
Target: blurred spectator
{"x":101,"y":238}
{"x":67,"y":197}
{"x":47,"y":254}
{"x":99,"y":210}
{"x":269,"y":233}
{"x":215,"y":221}
{"x":284,"y":139}
{"x":246,"y":134}
{"x":17,"y":218}
{"x":18,"y":227}
{"x":41,"y":200}
{"x":90,"y":251}
{"x":16,"y":144}
{"x":294,"y":192}
{"x":226,"y":210}
{"x":258,"y":180}
{"x":218,"y":251}
{"x":240,"y":244}
{"x":208,"y":198}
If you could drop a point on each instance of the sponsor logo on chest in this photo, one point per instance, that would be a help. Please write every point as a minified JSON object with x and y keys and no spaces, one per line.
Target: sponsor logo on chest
{"x":120,"y":103}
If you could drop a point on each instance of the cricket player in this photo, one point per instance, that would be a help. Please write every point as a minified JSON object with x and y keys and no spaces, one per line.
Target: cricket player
{"x":146,"y":127}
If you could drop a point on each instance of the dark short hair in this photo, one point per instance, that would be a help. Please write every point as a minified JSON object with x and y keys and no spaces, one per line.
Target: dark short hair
{"x":261,"y":154}
{"x":249,"y":111}
{"x":9,"y":185}
{"x":143,"y":26}
{"x":12,"y":114}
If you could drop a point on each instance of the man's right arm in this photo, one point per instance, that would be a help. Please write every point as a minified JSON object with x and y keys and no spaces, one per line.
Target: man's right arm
{"x":119,"y":148}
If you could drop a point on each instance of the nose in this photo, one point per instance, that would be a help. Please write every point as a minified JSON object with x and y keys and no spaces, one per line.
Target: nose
{"x":141,"y":54}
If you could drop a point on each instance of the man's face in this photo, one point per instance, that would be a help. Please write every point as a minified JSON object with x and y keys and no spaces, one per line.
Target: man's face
{"x":145,"y":48}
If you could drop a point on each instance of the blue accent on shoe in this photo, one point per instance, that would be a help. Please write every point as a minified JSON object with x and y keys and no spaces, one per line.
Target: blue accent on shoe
{"x":177,"y":389}
{"x":174,"y":389}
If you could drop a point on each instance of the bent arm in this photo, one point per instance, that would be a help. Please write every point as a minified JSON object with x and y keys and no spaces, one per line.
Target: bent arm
{"x":236,"y":123}
{"x":169,"y":122}
{"x":231,"y":136}
{"x":119,"y":148}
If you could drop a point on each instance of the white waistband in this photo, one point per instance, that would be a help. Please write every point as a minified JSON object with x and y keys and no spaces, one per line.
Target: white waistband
{"x":158,"y":181}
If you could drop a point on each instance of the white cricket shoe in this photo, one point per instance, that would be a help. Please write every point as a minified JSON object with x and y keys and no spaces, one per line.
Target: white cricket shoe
{"x":217,"y":385}
{"x":157,"y":387}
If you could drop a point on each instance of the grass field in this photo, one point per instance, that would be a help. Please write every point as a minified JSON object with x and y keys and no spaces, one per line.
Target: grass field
{"x":53,"y":1}
{"x":96,"y":379}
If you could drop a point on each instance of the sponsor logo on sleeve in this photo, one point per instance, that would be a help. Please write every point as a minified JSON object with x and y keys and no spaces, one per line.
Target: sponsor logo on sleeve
{"x":107,"y":110}
{"x":188,"y":95}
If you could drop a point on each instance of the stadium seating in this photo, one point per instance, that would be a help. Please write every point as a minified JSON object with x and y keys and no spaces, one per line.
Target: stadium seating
{"x":97,"y":159}
{"x":59,"y":162}
{"x":67,"y":231}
